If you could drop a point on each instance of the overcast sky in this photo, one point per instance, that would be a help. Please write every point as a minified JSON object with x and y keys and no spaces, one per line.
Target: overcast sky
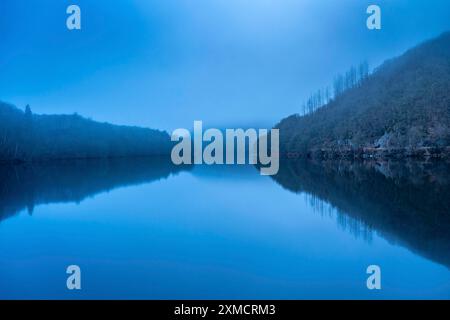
{"x":166,"y":63}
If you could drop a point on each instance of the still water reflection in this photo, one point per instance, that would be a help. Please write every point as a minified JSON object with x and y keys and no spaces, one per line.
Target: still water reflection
{"x":144,"y":228}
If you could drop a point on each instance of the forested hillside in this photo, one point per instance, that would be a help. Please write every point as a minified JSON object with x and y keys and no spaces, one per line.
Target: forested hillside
{"x":25,"y":136}
{"x":402,"y":108}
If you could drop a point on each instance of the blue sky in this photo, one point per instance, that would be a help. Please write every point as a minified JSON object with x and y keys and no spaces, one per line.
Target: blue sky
{"x":166,"y":63}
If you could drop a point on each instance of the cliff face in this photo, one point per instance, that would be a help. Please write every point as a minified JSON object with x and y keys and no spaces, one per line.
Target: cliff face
{"x":403,"y":108}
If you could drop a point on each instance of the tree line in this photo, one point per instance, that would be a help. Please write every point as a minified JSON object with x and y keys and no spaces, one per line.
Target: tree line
{"x":25,"y":136}
{"x":350,"y":79}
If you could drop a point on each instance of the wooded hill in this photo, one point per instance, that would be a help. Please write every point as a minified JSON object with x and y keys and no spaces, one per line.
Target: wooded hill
{"x":25,"y":136}
{"x":402,"y":108}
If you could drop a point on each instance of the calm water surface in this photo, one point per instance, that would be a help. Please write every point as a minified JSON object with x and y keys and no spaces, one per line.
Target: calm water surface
{"x":144,"y":229}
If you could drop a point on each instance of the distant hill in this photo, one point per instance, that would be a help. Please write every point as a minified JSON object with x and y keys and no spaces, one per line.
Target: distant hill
{"x":403,"y":108}
{"x":25,"y":136}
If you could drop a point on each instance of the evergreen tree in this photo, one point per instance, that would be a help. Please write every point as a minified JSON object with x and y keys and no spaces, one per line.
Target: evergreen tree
{"x":28,"y":112}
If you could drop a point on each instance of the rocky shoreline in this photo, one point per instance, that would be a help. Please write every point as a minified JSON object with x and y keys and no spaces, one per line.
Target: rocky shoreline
{"x":371,"y":153}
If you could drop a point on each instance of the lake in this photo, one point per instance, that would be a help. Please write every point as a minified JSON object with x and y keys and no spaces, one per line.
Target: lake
{"x":145,"y":229}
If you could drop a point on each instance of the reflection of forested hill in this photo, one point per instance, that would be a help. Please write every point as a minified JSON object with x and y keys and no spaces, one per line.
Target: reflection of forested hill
{"x":28,"y":185}
{"x":408,"y":203}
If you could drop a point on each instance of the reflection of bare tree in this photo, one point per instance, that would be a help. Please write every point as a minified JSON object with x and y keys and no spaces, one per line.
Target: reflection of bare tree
{"x":408,"y":203}
{"x":355,"y":226}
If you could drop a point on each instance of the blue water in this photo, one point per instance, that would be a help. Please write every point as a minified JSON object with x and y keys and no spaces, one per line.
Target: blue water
{"x":205,"y":233}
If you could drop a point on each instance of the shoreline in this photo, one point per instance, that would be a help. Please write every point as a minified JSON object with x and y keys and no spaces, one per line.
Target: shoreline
{"x":63,"y":159}
{"x":371,"y":153}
